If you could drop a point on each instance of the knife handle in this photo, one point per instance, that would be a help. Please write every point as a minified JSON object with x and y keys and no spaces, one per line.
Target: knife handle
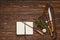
{"x":52,"y":26}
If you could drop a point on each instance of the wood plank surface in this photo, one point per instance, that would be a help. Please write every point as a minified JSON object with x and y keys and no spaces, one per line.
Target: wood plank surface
{"x":13,"y":11}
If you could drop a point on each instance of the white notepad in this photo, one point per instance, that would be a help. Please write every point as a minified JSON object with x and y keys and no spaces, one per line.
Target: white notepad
{"x":23,"y":29}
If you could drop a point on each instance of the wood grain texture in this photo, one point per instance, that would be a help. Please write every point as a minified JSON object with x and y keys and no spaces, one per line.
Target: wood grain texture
{"x":13,"y":11}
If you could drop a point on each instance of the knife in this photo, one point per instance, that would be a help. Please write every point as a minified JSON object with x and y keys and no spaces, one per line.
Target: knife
{"x":50,"y":17}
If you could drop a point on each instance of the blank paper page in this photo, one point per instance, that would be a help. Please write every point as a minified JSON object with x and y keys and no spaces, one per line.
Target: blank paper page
{"x":29,"y":30}
{"x":20,"y":28}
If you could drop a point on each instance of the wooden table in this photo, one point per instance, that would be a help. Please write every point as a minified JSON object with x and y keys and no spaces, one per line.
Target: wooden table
{"x":11,"y":12}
